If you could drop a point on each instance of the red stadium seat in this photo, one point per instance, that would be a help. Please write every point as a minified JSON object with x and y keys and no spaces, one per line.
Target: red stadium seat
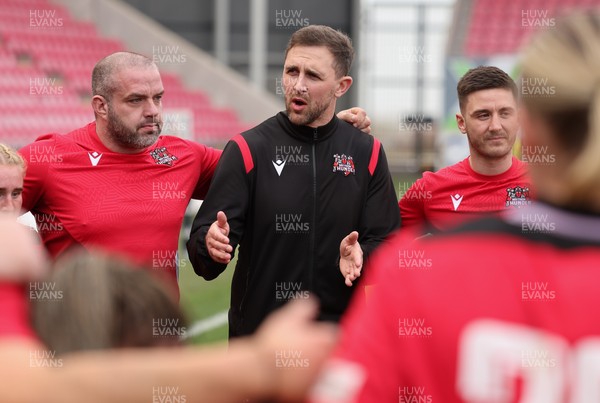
{"x":45,"y":76}
{"x":497,"y":27}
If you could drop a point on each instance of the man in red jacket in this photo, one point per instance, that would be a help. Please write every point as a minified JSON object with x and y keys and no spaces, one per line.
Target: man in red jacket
{"x":491,"y":179}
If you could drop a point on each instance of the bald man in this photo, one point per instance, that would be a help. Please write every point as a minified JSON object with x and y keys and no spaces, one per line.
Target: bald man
{"x":116,"y":183}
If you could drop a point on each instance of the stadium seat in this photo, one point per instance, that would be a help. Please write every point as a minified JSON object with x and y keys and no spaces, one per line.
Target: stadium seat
{"x":45,"y":77}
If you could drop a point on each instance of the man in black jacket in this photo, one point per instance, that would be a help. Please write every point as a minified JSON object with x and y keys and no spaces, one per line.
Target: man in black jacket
{"x":305,"y":195}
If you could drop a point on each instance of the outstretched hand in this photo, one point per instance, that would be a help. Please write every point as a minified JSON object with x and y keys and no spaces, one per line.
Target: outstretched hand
{"x":217,"y":241}
{"x":351,"y":258}
{"x":292,"y":332}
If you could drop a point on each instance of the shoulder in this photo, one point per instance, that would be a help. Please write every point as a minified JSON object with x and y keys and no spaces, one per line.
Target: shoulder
{"x":487,"y":239}
{"x":261,"y":132}
{"x":49,"y":148}
{"x":521,"y":170}
{"x":76,"y":137}
{"x":14,"y":312}
{"x":184,"y":146}
{"x":449,"y":172}
{"x":174,"y":141}
{"x":350,"y":132}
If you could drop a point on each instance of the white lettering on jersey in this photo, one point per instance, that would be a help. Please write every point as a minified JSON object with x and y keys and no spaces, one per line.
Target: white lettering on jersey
{"x":339,"y":382}
{"x":493,"y":354}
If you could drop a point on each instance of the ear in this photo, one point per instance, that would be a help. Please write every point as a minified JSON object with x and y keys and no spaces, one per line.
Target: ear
{"x":460,"y":122}
{"x":100,"y":106}
{"x":344,"y":85}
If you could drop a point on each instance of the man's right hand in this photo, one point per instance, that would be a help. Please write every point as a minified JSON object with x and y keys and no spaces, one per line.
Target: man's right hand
{"x":217,"y":241}
{"x":292,"y":332}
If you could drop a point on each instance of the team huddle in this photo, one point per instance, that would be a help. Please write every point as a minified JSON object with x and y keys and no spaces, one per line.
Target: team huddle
{"x":429,"y":308}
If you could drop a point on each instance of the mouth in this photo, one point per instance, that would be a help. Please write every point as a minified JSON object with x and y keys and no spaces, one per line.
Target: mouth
{"x":149,"y":126}
{"x":298,"y":104}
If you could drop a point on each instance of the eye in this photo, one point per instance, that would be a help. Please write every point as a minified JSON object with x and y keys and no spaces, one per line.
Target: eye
{"x":16,"y":194}
{"x":135,"y":100}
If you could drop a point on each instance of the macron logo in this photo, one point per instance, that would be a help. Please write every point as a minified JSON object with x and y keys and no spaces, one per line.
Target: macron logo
{"x":456,"y":199}
{"x":94,"y":158}
{"x":279,"y":164}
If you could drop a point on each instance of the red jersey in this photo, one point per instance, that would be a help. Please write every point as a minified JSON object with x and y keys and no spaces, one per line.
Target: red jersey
{"x":14,"y":312}
{"x":494,"y":312}
{"x":456,"y":193}
{"x":81,"y":193}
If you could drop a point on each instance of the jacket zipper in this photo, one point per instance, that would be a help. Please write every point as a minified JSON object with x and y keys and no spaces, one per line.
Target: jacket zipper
{"x":311,"y":266}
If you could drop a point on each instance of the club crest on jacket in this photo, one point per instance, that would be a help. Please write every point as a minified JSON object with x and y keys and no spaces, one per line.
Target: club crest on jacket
{"x":343,"y":163}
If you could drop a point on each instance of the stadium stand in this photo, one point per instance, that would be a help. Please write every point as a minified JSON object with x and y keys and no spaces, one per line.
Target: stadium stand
{"x":46,"y":60}
{"x":498,"y":27}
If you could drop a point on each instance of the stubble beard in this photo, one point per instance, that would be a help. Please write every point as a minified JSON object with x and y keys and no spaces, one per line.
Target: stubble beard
{"x":127,"y":137}
{"x":310,"y":113}
{"x":495,"y":153}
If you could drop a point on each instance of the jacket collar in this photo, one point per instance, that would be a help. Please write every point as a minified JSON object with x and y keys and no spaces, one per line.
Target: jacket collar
{"x":306,"y":133}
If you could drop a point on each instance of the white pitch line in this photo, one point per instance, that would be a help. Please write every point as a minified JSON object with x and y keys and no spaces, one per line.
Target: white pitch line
{"x":206,"y":325}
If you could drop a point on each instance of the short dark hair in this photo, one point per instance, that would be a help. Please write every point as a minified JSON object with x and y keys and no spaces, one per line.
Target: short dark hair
{"x":337,"y":42}
{"x":483,"y":78}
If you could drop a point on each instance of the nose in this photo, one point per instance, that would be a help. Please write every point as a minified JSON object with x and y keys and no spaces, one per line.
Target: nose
{"x":151,"y":108}
{"x":495,"y":123}
{"x":300,"y":85}
{"x":9,"y":205}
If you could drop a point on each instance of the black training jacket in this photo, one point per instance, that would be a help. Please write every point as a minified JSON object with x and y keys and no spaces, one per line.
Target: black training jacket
{"x":291,"y":194}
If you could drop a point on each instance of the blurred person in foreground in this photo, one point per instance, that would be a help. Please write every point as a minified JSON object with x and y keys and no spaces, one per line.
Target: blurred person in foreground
{"x":117,"y":183}
{"x":491,"y":178}
{"x":306,"y":196}
{"x":96,"y":302}
{"x":247,"y":368}
{"x":500,"y":310}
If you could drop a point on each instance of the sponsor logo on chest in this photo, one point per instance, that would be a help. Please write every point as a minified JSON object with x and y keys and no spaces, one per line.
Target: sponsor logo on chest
{"x":94,"y":157}
{"x":289,"y":155}
{"x":456,"y":200}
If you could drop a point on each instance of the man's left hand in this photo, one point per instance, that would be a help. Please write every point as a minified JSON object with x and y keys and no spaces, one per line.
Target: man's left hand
{"x":351,"y":258}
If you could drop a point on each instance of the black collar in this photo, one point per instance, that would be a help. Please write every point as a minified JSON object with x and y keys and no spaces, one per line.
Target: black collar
{"x":306,"y":133}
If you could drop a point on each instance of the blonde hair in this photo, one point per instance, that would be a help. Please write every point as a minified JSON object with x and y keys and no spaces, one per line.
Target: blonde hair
{"x":8,"y":156}
{"x":561,"y":67}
